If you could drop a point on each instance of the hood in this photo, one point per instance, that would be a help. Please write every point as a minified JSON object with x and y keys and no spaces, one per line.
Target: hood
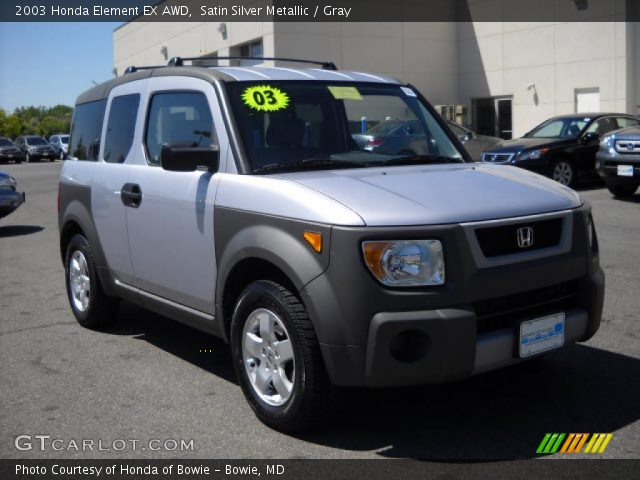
{"x":439,"y":194}
{"x":631,"y":133}
{"x":524,"y":143}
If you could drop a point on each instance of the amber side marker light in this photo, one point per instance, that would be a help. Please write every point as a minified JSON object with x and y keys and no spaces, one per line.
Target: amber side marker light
{"x":314,"y":239}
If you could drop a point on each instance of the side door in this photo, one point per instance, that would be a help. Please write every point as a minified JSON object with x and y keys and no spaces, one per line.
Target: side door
{"x":171,"y":230}
{"x":117,"y":155}
{"x":590,"y":143}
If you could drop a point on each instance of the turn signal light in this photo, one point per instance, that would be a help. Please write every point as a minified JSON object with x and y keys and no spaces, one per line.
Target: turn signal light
{"x":314,"y":239}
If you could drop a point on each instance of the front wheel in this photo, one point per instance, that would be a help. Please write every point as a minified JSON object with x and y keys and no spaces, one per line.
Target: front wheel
{"x":277,"y":358}
{"x":89,"y":304}
{"x":622,"y":191}
{"x":564,"y":172}
{"x":61,"y":154}
{"x":27,"y":158}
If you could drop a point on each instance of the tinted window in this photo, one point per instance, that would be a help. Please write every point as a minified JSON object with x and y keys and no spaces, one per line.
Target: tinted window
{"x":603,"y":126}
{"x":86,"y":127}
{"x":177,"y":117}
{"x":120,"y":127}
{"x":5,"y":142}
{"x":64,"y":139}
{"x":36,"y":141}
{"x":624,"y":122}
{"x":569,"y":127}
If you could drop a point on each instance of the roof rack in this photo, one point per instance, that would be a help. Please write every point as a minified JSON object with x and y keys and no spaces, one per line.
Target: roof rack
{"x":133,"y":69}
{"x":179,"y":61}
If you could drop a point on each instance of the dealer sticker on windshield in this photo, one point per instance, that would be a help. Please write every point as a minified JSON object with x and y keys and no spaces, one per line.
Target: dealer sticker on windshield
{"x":541,"y":334}
{"x":345,"y":93}
{"x":265,"y":98}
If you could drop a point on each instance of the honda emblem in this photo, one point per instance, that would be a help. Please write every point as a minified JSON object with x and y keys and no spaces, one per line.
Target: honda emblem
{"x":525,"y":237}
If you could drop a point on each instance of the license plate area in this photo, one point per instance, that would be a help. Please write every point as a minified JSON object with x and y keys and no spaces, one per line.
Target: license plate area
{"x":541,"y":334}
{"x":625,"y":170}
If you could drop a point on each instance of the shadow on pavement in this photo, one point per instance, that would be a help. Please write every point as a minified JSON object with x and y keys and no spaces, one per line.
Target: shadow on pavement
{"x":499,"y":415}
{"x":18,"y":230}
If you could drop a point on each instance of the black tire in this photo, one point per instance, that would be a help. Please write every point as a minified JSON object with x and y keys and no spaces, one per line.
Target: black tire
{"x":52,"y":159}
{"x":622,"y":191}
{"x":564,"y":172}
{"x":309,"y":399}
{"x":17,"y":161}
{"x":101,"y":308}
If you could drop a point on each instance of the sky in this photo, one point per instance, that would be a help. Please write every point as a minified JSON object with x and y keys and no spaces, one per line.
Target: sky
{"x":52,"y":63}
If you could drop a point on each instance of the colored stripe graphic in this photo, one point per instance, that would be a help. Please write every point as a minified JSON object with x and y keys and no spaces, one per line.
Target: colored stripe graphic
{"x":550,"y":443}
{"x":574,"y":442}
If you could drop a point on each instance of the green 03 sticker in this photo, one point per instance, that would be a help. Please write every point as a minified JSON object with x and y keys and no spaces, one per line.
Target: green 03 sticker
{"x":265,"y":98}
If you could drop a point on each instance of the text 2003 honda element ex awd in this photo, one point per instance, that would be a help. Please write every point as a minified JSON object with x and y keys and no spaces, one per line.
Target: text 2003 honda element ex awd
{"x":236,"y":200}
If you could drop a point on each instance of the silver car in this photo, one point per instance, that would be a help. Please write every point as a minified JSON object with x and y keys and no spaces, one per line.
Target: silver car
{"x":235,"y":200}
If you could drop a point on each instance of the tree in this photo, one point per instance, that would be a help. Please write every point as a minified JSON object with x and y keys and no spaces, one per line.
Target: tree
{"x":35,"y":121}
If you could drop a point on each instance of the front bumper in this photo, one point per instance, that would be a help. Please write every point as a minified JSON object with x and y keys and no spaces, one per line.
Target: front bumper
{"x":12,"y":156}
{"x":608,"y":168}
{"x":375,"y":336}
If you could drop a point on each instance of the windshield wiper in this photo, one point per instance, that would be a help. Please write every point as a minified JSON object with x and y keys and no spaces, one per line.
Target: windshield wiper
{"x":421,"y":159}
{"x":310,"y":164}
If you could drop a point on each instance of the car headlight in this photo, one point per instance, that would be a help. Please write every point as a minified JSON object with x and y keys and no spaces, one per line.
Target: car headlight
{"x":8,"y":182}
{"x":533,"y":154}
{"x":606,"y":144}
{"x":405,"y":263}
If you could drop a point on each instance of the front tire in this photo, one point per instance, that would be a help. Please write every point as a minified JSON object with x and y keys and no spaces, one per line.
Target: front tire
{"x":89,"y":304}
{"x":622,"y":191}
{"x":563,"y":172}
{"x":277,"y":358}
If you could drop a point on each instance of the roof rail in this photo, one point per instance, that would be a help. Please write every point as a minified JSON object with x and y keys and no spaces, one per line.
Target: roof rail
{"x":133,"y":69}
{"x":179,"y":61}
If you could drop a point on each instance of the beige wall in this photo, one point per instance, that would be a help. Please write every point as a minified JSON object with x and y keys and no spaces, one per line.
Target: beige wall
{"x":506,"y":58}
{"x":140,"y":43}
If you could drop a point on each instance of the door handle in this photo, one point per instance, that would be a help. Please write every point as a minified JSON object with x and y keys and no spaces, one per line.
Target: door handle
{"x":131,"y":195}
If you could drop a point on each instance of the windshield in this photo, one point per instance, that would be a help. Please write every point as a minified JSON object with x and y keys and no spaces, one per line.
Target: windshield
{"x":294,"y":126}
{"x":5,"y":142}
{"x":36,"y":141}
{"x":569,"y":127}
{"x":64,"y":139}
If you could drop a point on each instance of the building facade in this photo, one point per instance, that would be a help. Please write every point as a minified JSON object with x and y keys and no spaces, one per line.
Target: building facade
{"x":500,"y":78}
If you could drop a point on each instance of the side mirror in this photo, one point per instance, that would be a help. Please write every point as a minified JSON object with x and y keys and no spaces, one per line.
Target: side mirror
{"x":186,"y":157}
{"x":590,"y":137}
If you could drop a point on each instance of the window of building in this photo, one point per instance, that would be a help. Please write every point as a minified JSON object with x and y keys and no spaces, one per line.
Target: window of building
{"x":120,"y":127}
{"x":177,"y":118}
{"x":86,"y":128}
{"x":587,"y":100}
{"x":253,"y":49}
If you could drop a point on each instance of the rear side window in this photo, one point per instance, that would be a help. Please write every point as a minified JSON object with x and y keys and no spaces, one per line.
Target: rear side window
{"x":177,"y":118}
{"x":120,"y":127}
{"x":624,"y":122}
{"x":86,"y":128}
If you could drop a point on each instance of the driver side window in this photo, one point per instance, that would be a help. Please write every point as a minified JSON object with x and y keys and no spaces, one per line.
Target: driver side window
{"x":177,"y":118}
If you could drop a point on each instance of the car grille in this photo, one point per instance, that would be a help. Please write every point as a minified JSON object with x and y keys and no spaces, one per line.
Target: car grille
{"x":503,"y":240}
{"x":504,"y":312}
{"x":497,"y":157}
{"x":628,"y":146}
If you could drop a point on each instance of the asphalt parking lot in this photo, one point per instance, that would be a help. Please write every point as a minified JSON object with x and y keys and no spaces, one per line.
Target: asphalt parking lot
{"x":149,"y":378}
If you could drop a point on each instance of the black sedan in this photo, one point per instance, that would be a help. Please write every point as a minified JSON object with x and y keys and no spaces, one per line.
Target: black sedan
{"x":36,"y":148}
{"x":10,"y":198}
{"x":563,"y":148}
{"x":9,"y":152}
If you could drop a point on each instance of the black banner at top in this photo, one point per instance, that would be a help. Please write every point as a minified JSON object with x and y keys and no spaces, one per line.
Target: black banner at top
{"x":319,"y":11}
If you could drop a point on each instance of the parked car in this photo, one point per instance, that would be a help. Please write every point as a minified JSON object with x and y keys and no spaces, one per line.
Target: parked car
{"x":61,"y":143}
{"x":563,"y":148}
{"x":619,"y":161}
{"x":10,"y":198}
{"x":392,"y":137}
{"x":235,"y":200}
{"x":35,"y":148}
{"x":475,"y":144}
{"x":9,"y":151}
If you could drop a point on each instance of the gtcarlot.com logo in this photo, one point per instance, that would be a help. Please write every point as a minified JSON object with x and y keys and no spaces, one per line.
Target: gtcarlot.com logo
{"x":574,"y":443}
